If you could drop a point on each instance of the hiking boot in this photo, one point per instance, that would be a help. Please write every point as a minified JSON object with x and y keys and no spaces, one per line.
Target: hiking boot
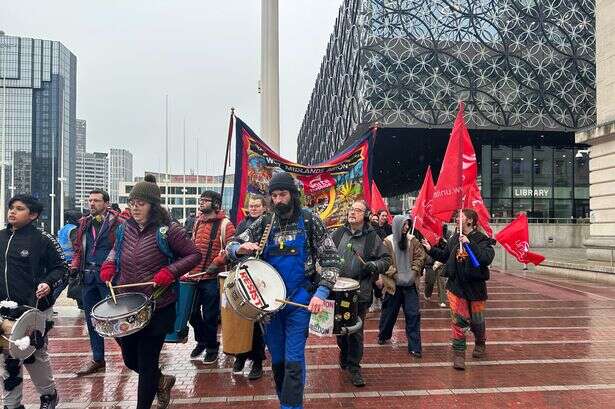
{"x":210,"y":357}
{"x":49,"y":401}
{"x":198,"y":350}
{"x":416,"y":354}
{"x":257,"y":371}
{"x":165,"y":384}
{"x":459,"y":360}
{"x":479,"y":350}
{"x":381,"y":341}
{"x":238,"y":365}
{"x":356,"y":378}
{"x":92,"y":367}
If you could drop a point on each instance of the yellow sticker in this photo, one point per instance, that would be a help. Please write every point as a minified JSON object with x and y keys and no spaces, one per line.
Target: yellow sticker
{"x":345,"y":304}
{"x":346,"y":315}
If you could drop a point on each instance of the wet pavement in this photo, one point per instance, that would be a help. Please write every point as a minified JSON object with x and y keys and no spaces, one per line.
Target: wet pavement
{"x":549,"y":345}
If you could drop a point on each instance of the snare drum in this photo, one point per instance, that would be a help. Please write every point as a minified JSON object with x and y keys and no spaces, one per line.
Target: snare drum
{"x":237,"y":331}
{"x":131,"y":314}
{"x":252,"y":289}
{"x":346,"y":296}
{"x":12,"y":330}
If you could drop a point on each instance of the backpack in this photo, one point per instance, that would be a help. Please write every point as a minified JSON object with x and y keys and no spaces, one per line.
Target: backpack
{"x":161,"y":241}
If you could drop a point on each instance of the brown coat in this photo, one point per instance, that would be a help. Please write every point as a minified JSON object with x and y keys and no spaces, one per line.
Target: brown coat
{"x":418,"y":263}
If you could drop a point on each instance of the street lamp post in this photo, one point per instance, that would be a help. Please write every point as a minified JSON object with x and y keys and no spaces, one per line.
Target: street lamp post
{"x":3,"y":46}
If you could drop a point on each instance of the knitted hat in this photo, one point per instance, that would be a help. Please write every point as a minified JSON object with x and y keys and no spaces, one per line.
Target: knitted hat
{"x":147,"y":190}
{"x":283,"y":181}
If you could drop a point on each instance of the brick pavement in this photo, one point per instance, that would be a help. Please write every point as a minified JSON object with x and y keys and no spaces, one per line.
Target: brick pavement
{"x":550,"y":345}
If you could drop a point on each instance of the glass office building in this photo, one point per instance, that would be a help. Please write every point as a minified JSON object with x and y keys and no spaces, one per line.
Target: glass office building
{"x":524,"y":68}
{"x":38,"y":88}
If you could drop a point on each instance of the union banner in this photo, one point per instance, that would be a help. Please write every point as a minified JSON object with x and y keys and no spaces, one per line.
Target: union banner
{"x":328,"y":188}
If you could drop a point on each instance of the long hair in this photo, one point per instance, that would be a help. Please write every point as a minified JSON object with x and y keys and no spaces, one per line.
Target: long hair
{"x":403,"y":238}
{"x":158,"y":215}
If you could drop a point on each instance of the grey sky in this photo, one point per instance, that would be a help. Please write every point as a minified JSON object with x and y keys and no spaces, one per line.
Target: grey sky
{"x":204,"y":54}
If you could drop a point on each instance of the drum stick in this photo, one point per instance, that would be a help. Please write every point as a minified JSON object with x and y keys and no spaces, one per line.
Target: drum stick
{"x":197,"y":274}
{"x":134,"y":285}
{"x":111,"y":291}
{"x":357,"y":255}
{"x":292,"y":303}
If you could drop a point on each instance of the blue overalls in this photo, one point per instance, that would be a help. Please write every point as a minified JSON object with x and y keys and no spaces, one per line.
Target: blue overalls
{"x":286,"y":333}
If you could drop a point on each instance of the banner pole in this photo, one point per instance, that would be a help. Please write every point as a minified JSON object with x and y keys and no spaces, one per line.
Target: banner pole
{"x":226,"y":155}
{"x":460,"y":181}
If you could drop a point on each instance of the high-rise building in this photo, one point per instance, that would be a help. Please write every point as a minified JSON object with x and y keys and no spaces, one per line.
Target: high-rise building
{"x":120,"y":170}
{"x":95,"y":176}
{"x":38,"y":94}
{"x":80,"y":147}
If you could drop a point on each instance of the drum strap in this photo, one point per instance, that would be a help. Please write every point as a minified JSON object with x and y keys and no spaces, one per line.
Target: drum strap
{"x":212,"y":237}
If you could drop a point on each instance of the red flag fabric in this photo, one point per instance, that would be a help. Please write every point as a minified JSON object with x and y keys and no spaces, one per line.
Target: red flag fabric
{"x":515,"y":239}
{"x":472,"y":199}
{"x":459,"y":169}
{"x":424,"y":221}
{"x":378,"y":203}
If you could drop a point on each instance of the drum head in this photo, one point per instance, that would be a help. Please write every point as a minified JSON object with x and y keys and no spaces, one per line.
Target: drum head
{"x":268,"y":281}
{"x":127,"y":303}
{"x":223,"y":274}
{"x":32,"y":320}
{"x":346,"y":284}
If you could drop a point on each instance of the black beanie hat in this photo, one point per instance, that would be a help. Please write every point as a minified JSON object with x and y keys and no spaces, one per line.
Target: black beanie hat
{"x":283,"y":181}
{"x":147,"y":190}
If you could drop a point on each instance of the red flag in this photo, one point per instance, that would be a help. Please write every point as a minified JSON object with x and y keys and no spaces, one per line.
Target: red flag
{"x":458,"y":170}
{"x":377,"y":202}
{"x":472,"y":199}
{"x":515,"y":239}
{"x":424,"y":221}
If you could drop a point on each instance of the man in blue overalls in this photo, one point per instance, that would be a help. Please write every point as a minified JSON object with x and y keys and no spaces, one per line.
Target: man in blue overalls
{"x":298,"y":240}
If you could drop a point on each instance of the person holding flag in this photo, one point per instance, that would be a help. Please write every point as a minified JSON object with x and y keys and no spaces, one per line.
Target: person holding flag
{"x":466,"y":285}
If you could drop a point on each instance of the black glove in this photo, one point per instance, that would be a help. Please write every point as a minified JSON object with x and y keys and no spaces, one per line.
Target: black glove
{"x":370,"y":268}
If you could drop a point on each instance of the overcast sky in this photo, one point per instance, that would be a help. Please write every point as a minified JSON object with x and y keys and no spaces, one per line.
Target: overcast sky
{"x":203,"y":54}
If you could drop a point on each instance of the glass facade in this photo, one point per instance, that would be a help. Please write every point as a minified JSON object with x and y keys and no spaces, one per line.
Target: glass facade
{"x":39,"y":90}
{"x":547,"y":182}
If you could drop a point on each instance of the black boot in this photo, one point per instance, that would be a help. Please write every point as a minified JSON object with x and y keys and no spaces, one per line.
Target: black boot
{"x":257,"y":371}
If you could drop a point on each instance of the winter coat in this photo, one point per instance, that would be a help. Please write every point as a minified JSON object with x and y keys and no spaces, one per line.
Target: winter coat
{"x":33,"y":257}
{"x":201,"y":236}
{"x":105,"y":239}
{"x":366,"y":244}
{"x":417,"y":263}
{"x":141,"y":257}
{"x":465,"y":280}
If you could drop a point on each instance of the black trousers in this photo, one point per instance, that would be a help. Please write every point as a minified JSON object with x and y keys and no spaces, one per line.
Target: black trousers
{"x":141,"y":353}
{"x":351,"y":346}
{"x":257,"y":353}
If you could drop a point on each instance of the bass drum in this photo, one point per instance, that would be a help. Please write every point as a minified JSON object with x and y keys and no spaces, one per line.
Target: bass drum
{"x":253,"y":288}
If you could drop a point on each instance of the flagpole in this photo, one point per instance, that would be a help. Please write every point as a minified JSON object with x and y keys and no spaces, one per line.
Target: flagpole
{"x":461,"y":108}
{"x":228,"y":148}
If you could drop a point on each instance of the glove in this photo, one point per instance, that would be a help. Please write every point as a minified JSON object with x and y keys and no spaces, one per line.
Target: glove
{"x":164,"y":277}
{"x":370,"y":268}
{"x":107,"y":271}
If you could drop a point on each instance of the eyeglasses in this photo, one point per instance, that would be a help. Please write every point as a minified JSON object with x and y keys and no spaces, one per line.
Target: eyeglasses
{"x":357,"y":210}
{"x":205,"y":200}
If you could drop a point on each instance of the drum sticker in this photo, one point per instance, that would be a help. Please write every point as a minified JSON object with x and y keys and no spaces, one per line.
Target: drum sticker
{"x":223,"y":300}
{"x":321,"y":324}
{"x":345,"y":304}
{"x":250,"y":286}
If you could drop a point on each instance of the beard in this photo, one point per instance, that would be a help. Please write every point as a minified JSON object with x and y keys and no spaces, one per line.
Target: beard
{"x":282,"y":209}
{"x":208,"y":210}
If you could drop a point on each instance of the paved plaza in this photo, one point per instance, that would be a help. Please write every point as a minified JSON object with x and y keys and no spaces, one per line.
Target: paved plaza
{"x":550,"y":345}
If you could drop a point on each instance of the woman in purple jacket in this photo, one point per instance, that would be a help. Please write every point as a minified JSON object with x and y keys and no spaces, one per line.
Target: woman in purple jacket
{"x":142,"y":260}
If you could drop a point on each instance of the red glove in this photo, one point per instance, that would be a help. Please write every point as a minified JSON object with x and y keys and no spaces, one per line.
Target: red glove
{"x":107,"y":271}
{"x":164,"y":277}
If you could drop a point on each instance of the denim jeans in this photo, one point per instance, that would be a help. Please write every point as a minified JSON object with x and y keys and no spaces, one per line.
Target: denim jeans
{"x":408,"y":298}
{"x":92,"y":294}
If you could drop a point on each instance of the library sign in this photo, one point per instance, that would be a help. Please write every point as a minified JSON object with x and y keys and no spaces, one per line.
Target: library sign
{"x":537,"y":192}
